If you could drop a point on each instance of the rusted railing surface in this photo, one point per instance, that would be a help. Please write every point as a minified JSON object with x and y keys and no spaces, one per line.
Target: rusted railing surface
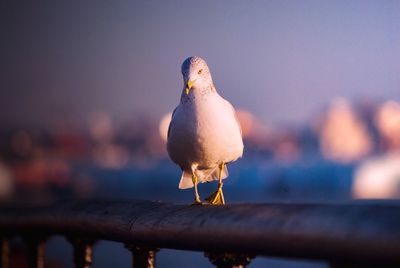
{"x":360,"y":234}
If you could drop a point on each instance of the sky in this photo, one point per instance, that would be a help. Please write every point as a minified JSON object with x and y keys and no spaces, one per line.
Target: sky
{"x":281,"y":60}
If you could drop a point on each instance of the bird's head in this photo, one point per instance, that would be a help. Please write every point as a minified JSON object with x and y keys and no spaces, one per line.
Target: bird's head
{"x":195,"y":74}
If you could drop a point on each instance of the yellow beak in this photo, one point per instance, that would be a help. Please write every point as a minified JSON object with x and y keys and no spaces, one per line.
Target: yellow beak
{"x":188,"y":86}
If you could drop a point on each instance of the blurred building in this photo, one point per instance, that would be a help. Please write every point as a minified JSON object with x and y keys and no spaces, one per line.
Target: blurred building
{"x":387,"y":120}
{"x":6,"y":182}
{"x":343,"y":136}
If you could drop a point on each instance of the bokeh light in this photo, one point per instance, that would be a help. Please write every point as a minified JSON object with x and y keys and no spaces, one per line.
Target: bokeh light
{"x":344,"y":137}
{"x":164,"y":124}
{"x":378,"y":178}
{"x":388,"y":122}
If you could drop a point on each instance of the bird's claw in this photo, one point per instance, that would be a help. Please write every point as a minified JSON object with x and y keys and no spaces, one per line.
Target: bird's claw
{"x":217,"y":198}
{"x":197,"y":202}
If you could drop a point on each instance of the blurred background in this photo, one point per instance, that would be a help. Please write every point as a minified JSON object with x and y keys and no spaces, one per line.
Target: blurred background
{"x":87,"y":89}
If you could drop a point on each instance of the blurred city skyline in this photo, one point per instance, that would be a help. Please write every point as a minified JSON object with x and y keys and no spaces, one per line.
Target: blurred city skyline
{"x":280,"y":60}
{"x":343,"y":138}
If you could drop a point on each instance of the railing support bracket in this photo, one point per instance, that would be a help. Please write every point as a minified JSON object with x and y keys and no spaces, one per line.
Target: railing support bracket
{"x":5,"y":253}
{"x":143,"y":257}
{"x":36,"y":248}
{"x":83,"y":251}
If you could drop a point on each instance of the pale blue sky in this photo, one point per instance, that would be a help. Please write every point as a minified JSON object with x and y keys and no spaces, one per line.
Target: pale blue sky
{"x":280,"y":59}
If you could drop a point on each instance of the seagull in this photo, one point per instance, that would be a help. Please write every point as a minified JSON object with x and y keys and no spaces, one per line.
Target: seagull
{"x":204,"y":134}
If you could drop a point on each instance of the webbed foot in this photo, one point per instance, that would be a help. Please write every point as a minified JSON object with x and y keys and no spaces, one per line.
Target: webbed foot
{"x":217,"y":198}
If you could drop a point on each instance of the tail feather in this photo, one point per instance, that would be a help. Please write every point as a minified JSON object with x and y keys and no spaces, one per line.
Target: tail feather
{"x":203,"y":175}
{"x":211,"y":174}
{"x":186,"y":180}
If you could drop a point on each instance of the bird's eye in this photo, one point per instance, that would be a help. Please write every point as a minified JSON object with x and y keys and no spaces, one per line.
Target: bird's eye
{"x":199,"y":72}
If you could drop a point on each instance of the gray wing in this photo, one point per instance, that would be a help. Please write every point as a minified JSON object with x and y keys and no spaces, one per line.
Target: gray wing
{"x":169,"y":127}
{"x":236,"y":117}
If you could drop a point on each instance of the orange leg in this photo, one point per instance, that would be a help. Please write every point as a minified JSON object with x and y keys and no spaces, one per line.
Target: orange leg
{"x":217,"y":198}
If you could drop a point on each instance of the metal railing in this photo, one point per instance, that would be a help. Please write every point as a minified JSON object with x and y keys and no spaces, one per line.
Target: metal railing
{"x":345,"y":235}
